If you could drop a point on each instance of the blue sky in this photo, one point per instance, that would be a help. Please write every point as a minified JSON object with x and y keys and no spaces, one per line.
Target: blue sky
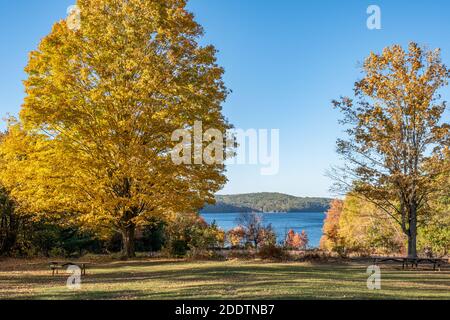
{"x":285,"y":61}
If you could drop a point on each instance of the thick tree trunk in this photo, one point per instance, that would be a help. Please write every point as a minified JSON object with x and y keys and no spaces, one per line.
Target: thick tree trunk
{"x":412,"y":246}
{"x":412,"y":233}
{"x":128,"y":234}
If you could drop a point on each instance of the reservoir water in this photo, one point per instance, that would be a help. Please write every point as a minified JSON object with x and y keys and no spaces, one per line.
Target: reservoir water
{"x":311,"y":222}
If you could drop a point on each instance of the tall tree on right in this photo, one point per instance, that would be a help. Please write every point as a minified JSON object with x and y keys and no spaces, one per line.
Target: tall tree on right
{"x":396,"y":139}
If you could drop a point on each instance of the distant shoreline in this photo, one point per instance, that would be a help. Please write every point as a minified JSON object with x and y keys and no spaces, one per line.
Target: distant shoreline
{"x":259,"y":212}
{"x":267,"y":202}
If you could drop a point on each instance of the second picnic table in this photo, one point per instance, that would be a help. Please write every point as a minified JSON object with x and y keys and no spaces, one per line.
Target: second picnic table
{"x":56,"y":265}
{"x":406,"y":261}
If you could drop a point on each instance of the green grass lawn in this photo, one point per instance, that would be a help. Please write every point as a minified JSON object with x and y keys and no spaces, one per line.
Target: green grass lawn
{"x":169,"y":279}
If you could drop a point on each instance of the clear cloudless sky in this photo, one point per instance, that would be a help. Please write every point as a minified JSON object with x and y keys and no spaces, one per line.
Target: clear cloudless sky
{"x":285,"y":60}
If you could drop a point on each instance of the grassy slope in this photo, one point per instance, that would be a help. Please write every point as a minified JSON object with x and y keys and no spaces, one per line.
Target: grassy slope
{"x":220,"y":280}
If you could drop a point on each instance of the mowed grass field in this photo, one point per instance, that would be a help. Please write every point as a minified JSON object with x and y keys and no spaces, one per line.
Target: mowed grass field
{"x":172,"y":279}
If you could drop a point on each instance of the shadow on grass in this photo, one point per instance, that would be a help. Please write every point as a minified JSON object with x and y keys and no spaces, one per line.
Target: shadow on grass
{"x":223,"y":280}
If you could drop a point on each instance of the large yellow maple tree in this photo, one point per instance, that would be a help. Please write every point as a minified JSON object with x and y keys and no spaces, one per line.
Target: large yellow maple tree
{"x":104,"y":99}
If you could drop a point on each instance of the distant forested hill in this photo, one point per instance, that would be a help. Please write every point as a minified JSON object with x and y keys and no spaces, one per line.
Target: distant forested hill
{"x":267,"y":202}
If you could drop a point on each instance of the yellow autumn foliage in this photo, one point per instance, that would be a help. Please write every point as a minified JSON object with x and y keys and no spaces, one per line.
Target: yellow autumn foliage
{"x":102,"y":102}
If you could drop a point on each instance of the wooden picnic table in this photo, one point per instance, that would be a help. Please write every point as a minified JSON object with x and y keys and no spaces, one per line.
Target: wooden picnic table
{"x":56,"y":265}
{"x":406,"y":261}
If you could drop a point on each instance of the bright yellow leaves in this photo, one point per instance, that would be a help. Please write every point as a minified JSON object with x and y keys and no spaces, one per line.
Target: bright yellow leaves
{"x":101,"y":106}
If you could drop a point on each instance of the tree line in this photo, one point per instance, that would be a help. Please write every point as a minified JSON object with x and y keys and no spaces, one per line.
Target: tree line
{"x":266,"y":202}
{"x":356,"y":226}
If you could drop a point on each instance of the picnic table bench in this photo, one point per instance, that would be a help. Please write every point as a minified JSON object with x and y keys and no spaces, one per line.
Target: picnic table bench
{"x":406,"y":261}
{"x":57,"y":265}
